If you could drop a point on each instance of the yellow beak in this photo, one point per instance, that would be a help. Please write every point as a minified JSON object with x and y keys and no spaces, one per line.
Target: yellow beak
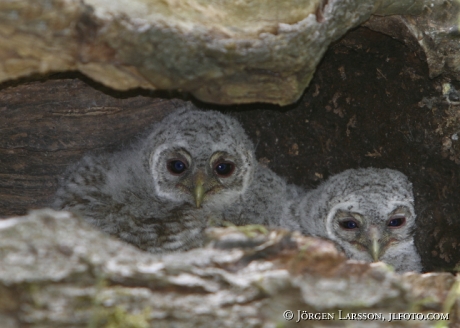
{"x":374,"y":245}
{"x":198,"y":191}
{"x":375,"y":250}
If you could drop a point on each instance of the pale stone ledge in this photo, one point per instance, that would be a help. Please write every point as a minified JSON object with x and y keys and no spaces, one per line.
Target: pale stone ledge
{"x":223,"y":52}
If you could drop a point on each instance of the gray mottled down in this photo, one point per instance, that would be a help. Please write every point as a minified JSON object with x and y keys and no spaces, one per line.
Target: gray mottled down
{"x":132,"y":195}
{"x":373,"y":196}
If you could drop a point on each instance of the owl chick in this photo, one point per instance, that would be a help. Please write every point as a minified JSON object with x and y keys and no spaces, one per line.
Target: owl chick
{"x":160,"y":192}
{"x":369,"y":213}
{"x":195,"y":168}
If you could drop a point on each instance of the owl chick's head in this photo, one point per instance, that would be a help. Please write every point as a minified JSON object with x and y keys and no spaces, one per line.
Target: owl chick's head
{"x":203,"y":158}
{"x":369,"y":212}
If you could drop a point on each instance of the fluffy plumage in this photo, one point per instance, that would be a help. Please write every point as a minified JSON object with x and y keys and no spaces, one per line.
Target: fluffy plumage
{"x":160,"y":193}
{"x":267,"y":202}
{"x":369,"y":213}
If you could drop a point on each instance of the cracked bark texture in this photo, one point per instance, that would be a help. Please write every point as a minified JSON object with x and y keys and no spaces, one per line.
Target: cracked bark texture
{"x":222,"y":52}
{"x":57,"y":271}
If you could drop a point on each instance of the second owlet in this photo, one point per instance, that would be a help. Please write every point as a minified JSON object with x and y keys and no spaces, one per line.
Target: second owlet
{"x":369,"y":213}
{"x":160,"y":193}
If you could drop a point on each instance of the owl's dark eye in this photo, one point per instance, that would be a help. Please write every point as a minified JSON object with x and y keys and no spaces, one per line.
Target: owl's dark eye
{"x":396,"y":221}
{"x":224,"y":169}
{"x":349,"y":224}
{"x":176,"y":166}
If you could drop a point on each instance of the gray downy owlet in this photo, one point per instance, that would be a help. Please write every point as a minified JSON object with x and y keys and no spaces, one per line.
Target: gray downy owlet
{"x":369,"y":213}
{"x":160,"y":193}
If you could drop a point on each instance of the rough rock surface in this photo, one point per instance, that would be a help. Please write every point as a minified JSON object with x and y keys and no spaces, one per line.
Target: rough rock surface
{"x":220,"y":51}
{"x":435,"y":33}
{"x":59,"y":272}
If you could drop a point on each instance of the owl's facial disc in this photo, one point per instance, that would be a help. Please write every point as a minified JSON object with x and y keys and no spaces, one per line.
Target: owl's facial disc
{"x":198,"y":178}
{"x":203,"y":184}
{"x":193,"y":185}
{"x":354,"y":231}
{"x":209,"y":180}
{"x":374,"y":238}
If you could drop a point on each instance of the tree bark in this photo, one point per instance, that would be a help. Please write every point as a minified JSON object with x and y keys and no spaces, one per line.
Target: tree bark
{"x":59,"y":272}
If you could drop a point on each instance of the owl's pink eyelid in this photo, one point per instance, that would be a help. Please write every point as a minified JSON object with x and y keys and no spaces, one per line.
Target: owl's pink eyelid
{"x":168,"y":163}
{"x":233,"y":166}
{"x":347,"y":220}
{"x":401,"y":217}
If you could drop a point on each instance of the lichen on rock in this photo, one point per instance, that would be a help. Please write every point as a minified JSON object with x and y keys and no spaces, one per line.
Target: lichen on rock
{"x":220,"y":51}
{"x":58,"y":271}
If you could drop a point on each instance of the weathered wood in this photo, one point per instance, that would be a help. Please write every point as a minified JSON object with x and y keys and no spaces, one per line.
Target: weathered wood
{"x":59,"y":272}
{"x":47,"y":125}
